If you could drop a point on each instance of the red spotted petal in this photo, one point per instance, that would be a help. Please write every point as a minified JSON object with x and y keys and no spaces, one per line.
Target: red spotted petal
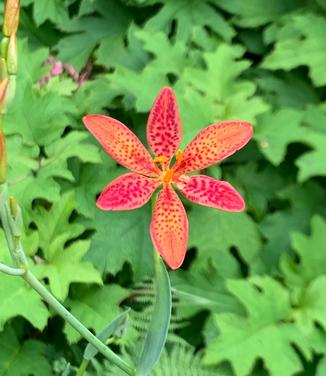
{"x":217,"y":194}
{"x":129,"y":191}
{"x":164,"y":124}
{"x":213,"y":144}
{"x":120,"y":143}
{"x":169,"y":228}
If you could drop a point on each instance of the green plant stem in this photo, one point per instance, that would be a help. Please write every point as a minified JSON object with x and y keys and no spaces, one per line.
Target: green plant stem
{"x":11,"y":271}
{"x":76,"y":324}
{"x":5,"y":221}
{"x":19,"y":259}
{"x":46,"y":295}
{"x":82,"y":368}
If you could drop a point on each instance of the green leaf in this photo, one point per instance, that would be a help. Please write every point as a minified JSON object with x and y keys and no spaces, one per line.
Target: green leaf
{"x":312,"y":163}
{"x":59,"y":152}
{"x":28,"y":74}
{"x":89,"y":180}
{"x":311,"y":305}
{"x":310,"y":250}
{"x":66,"y":266}
{"x":39,"y":117}
{"x":122,"y":237}
{"x":22,"y":159}
{"x":278,"y":241}
{"x":300,"y":41}
{"x":113,"y":52}
{"x":17,"y":298}
{"x":217,"y":93}
{"x":63,"y":264}
{"x":32,"y":175}
{"x":127,"y":83}
{"x":93,"y":96}
{"x":287,"y":89}
{"x":253,"y":13}
{"x":188,"y":14}
{"x":253,"y":179}
{"x":159,"y":325}
{"x":94,"y":307}
{"x":201,"y":289}
{"x":304,"y":127}
{"x":55,"y":11}
{"x":263,"y":333}
{"x":88,"y":31}
{"x":115,"y":327}
{"x":214,"y":232}
{"x":277,"y":130}
{"x":22,"y":358}
{"x":321,"y":369}
{"x":309,"y":195}
{"x":54,"y":226}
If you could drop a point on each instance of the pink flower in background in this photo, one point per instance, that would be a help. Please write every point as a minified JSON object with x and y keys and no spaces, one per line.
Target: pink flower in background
{"x":58,"y":68}
{"x":169,"y":226}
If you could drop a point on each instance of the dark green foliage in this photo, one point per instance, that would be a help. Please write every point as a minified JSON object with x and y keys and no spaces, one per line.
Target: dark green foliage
{"x":251,"y":295}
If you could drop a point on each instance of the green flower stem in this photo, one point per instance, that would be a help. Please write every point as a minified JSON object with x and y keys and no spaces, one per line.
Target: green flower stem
{"x":11,"y":271}
{"x":19,"y":257}
{"x":82,"y":368}
{"x":76,"y":324}
{"x":5,"y":221}
{"x":12,"y":226}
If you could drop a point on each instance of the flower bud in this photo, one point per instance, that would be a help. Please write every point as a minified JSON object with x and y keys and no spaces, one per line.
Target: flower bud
{"x":11,"y":17}
{"x":12,"y":55}
{"x":15,"y":219}
{"x":13,"y":206}
{"x":3,"y":90}
{"x":4,"y":47}
{"x":10,"y":93}
{"x":3,"y":158}
{"x":3,"y":69}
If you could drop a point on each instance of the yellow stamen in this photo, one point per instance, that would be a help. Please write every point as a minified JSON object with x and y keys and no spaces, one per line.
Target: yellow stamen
{"x":168,"y":176}
{"x":179,"y":156}
{"x":160,"y":159}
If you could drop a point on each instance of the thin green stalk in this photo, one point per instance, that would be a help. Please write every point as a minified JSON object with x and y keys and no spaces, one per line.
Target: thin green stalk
{"x":11,"y":217}
{"x":76,"y":324}
{"x":18,"y":254}
{"x":4,"y":220}
{"x":82,"y":368}
{"x":11,"y":271}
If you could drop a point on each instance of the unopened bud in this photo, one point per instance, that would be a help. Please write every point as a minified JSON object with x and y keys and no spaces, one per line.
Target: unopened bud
{"x":13,"y":206}
{"x":3,"y":158}
{"x":3,"y":69}
{"x":15,"y":218}
{"x":4,"y":47}
{"x":10,"y":94}
{"x":3,"y":91}
{"x":12,"y":55}
{"x":11,"y":17}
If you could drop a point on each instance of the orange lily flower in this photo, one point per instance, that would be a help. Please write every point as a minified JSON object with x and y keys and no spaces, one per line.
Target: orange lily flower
{"x":169,"y":227}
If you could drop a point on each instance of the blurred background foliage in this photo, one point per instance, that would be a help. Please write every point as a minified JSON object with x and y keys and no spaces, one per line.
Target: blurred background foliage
{"x":251,"y":297}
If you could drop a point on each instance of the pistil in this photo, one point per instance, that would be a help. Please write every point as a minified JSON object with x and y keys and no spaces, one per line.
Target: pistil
{"x":168,"y":176}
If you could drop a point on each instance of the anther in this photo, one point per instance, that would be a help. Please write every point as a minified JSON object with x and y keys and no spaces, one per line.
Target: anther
{"x":179,"y":156}
{"x":160,"y":159}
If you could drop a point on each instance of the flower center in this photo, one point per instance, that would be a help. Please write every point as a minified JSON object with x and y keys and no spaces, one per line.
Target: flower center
{"x":167,"y":178}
